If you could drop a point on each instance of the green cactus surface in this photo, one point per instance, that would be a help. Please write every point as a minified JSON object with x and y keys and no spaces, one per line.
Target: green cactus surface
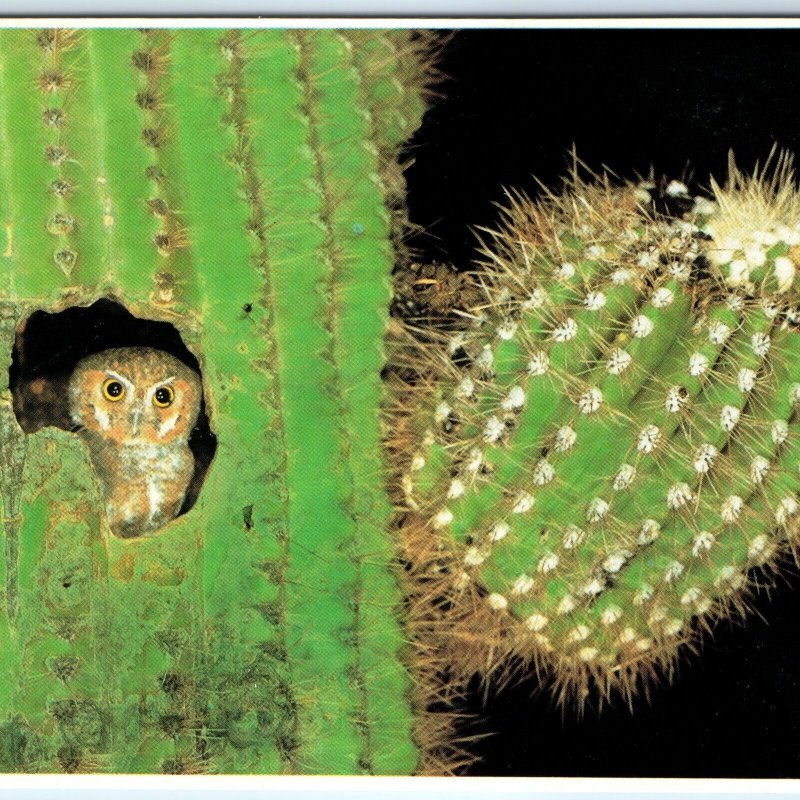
{"x":612,"y":445}
{"x":241,"y":186}
{"x":595,"y":457}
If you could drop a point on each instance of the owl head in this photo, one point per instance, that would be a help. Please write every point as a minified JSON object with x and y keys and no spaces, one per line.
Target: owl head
{"x":135,"y":395}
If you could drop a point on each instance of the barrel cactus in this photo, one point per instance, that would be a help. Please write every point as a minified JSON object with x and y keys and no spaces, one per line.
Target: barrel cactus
{"x":605,"y":456}
{"x":229,"y":197}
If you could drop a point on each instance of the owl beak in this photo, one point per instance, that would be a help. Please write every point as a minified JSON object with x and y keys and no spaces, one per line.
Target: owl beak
{"x":136,"y":417}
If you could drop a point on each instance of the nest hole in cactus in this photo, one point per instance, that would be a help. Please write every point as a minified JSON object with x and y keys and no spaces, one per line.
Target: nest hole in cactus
{"x":49,"y":345}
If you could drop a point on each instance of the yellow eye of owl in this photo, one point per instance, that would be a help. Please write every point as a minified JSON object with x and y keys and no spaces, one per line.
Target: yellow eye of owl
{"x":163,"y":396}
{"x":113,"y":390}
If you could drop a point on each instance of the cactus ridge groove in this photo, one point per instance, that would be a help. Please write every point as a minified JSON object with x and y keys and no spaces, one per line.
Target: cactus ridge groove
{"x":334,"y":258}
{"x":232,"y":86}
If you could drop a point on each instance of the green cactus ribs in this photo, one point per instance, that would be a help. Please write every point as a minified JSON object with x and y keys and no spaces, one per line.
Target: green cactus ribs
{"x":617,"y":450}
{"x":239,"y":188}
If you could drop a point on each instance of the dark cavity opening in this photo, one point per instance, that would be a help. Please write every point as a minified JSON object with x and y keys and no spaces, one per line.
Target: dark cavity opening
{"x":48,"y":346}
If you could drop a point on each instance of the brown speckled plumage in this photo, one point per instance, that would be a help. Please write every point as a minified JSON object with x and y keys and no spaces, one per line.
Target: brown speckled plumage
{"x":138,"y":444}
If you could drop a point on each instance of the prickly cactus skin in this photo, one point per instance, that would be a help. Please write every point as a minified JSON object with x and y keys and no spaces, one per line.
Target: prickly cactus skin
{"x":614,"y":439}
{"x":242,"y":186}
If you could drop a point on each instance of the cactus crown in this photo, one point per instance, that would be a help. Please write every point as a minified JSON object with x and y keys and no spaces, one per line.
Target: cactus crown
{"x":612,"y":444}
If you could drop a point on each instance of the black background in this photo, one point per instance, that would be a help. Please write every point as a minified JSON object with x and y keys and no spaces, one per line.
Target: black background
{"x":678,"y":100}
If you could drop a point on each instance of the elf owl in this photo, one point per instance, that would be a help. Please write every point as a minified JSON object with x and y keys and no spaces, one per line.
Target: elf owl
{"x":136,"y":407}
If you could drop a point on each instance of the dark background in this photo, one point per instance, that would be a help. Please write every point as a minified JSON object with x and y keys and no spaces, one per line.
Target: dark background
{"x":514,"y":104}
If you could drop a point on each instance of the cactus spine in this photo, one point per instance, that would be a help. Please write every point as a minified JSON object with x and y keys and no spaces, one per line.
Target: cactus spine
{"x":233,"y":185}
{"x":611,"y":445}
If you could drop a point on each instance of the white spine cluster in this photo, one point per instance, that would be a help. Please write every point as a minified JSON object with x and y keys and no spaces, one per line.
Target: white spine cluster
{"x":543,"y":472}
{"x":649,"y":532}
{"x":566,"y":331}
{"x":507,"y":329}
{"x":676,"y":399}
{"x":522,"y":585}
{"x":679,"y":495}
{"x":779,"y":432}
{"x":704,"y":457}
{"x":573,"y":536}
{"x":619,"y":277}
{"x":787,"y":508}
{"x":746,"y":380}
{"x":728,"y":417}
{"x":485,"y":361}
{"x":662,"y":297}
{"x":539,"y":363}
{"x":718,"y":332}
{"x":594,"y":301}
{"x":443,"y":518}
{"x":698,"y":364}
{"x":514,"y":399}
{"x":759,"y":548}
{"x":598,"y":508}
{"x":702,"y":543}
{"x":566,"y":605}
{"x":456,"y":489}
{"x":759,"y":467}
{"x":624,"y":477}
{"x":534,"y":300}
{"x":524,"y":503}
{"x":536,"y":622}
{"x":590,"y":400}
{"x":648,"y":439}
{"x":641,"y":326}
{"x":618,"y":361}
{"x":475,"y":556}
{"x":565,"y":439}
{"x":497,"y":601}
{"x":466,"y":388}
{"x":616,"y":561}
{"x":547,"y":563}
{"x":611,"y":615}
{"x":673,"y":571}
{"x":499,"y":531}
{"x":731,"y":508}
{"x":761,"y":344}
{"x":493,"y":430}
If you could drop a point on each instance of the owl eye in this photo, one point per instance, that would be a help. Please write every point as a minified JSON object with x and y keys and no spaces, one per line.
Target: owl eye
{"x":163,"y":396}
{"x":113,"y":390}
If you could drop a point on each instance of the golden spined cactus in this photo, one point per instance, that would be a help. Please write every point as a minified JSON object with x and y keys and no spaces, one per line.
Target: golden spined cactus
{"x":608,"y":451}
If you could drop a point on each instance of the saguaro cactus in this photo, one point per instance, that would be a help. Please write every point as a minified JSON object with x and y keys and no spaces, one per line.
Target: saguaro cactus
{"x":610,"y":446}
{"x":239,"y":186}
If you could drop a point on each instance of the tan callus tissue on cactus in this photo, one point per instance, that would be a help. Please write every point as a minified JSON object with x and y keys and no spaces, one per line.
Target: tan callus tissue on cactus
{"x":607,"y":447}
